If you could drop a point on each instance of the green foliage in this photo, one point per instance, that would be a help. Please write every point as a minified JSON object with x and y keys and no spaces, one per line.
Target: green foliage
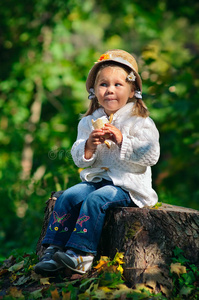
{"x":105,"y":281}
{"x":185,"y":284}
{"x":46,"y":50}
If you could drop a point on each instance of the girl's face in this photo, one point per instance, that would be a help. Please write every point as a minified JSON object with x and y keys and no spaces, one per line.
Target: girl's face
{"x":111,"y":88}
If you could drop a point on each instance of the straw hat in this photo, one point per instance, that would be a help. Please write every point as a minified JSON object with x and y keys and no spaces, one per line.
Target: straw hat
{"x":119,"y":56}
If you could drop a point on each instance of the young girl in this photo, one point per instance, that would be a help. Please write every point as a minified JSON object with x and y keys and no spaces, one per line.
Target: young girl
{"x":116,"y":160}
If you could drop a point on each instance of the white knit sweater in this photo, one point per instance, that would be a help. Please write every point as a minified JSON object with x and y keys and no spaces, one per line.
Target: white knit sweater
{"x":128,"y":166}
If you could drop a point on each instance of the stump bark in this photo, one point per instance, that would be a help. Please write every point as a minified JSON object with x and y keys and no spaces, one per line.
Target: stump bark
{"x":147,"y":237}
{"x":50,"y":203}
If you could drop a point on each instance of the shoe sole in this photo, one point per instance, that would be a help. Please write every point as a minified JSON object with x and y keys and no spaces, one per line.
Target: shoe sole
{"x":62,"y":260}
{"x":44,"y":271}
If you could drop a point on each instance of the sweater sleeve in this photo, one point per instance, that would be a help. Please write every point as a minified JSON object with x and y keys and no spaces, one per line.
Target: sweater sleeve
{"x":78,"y":148}
{"x":141,"y":144}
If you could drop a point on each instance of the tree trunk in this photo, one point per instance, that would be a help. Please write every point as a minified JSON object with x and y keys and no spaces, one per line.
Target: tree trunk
{"x":147,"y":237}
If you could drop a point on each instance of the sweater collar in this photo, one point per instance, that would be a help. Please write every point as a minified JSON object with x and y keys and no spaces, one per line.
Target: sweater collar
{"x":125,"y":112}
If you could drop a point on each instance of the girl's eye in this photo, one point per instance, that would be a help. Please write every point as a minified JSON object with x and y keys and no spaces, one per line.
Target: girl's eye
{"x":103,"y":84}
{"x":118,"y":84}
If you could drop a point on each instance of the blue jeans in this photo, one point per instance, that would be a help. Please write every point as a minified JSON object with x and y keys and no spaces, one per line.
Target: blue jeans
{"x":79,"y":213}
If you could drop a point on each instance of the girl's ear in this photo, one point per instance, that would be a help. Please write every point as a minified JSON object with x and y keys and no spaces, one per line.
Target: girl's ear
{"x":132,"y":93}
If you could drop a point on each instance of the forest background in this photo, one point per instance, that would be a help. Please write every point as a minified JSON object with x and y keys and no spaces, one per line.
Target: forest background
{"x":46,"y":50}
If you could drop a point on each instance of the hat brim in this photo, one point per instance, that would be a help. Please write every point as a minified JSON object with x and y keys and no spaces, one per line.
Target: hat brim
{"x":93,"y":72}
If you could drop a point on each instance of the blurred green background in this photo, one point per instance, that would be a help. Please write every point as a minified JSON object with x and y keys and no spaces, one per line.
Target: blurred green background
{"x":46,"y":50}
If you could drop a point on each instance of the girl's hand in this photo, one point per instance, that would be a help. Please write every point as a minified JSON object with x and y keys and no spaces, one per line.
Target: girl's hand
{"x":113,"y":133}
{"x":95,"y":138}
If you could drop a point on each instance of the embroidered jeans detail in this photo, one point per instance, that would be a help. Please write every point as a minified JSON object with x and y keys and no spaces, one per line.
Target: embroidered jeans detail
{"x":82,"y":219}
{"x":79,"y":214}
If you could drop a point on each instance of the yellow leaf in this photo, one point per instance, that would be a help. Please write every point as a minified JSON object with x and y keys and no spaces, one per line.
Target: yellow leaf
{"x":142,"y":286}
{"x":13,"y":277}
{"x":120,"y":269}
{"x":44,"y":280}
{"x":31,"y":267}
{"x":105,"y":289}
{"x":178,"y":269}
{"x":55,"y":295}
{"x":102,"y":262}
{"x":105,"y":258}
{"x":122,"y":287}
{"x":119,"y":256}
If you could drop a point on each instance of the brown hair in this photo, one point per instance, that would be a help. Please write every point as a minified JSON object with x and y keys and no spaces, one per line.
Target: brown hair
{"x":139,"y":109}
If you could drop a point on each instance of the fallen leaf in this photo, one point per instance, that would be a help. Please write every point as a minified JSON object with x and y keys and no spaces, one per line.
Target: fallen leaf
{"x":16,"y":267}
{"x":103,"y":260}
{"x":123,"y":290}
{"x":178,"y":269}
{"x":120,"y":269}
{"x":155,"y":276}
{"x":35,"y":276}
{"x":15,"y":293}
{"x":36,"y":294}
{"x":55,"y":295}
{"x":142,"y":286}
{"x":119,"y":256}
{"x":23,"y":279}
{"x":13,"y":277}
{"x":44,"y":280}
{"x":185,"y":290}
{"x":76,"y":276}
{"x":105,"y":289}
{"x":66,"y":296}
{"x":100,"y":294}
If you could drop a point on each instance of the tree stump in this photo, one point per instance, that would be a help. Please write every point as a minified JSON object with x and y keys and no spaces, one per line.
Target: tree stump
{"x":147,"y":237}
{"x":50,"y":203}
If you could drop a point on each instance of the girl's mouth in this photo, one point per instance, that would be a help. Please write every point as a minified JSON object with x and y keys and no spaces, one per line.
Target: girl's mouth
{"x":110,"y":99}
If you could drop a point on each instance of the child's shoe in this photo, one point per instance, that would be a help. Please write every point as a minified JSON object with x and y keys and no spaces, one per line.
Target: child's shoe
{"x":76,"y":262}
{"x":47,"y":264}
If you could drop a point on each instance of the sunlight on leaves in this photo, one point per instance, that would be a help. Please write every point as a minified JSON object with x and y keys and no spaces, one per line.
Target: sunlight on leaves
{"x":119,"y":258}
{"x":157,"y":205}
{"x":44,"y":280}
{"x":178,"y":269}
{"x":120,"y":269}
{"x":102,"y":262}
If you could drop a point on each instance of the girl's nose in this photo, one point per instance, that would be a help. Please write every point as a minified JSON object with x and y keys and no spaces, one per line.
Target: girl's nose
{"x":109,"y":89}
